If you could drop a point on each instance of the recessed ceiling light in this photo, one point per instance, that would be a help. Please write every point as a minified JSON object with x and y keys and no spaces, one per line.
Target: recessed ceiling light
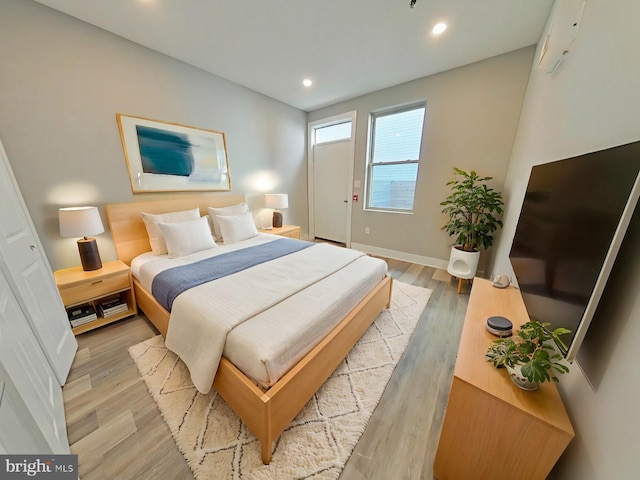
{"x":439,"y":28}
{"x":307,"y":82}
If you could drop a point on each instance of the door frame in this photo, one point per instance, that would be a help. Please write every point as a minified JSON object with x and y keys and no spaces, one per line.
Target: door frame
{"x":312,"y":126}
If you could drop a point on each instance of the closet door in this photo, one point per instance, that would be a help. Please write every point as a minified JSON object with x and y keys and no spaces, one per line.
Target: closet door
{"x":28,"y":273}
{"x":35,"y":383}
{"x":19,"y":432}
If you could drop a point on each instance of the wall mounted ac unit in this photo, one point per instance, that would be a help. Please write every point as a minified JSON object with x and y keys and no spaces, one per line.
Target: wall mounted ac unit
{"x":561,"y":33}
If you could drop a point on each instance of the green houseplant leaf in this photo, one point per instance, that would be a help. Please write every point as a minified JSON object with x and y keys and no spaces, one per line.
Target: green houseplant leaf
{"x":532,"y":348}
{"x":473,"y":209}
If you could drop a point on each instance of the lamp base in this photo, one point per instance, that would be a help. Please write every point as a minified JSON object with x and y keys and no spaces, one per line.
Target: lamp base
{"x":277,"y":219}
{"x":89,"y":255}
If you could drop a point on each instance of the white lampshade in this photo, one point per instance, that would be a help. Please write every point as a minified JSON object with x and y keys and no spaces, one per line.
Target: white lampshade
{"x":276,"y":200}
{"x":80,"y":221}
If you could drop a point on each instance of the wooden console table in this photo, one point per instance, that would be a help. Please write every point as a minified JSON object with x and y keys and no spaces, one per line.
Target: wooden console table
{"x":492,"y":429}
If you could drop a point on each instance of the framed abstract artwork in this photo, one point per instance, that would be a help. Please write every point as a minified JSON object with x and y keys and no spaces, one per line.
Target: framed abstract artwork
{"x":164,"y":157}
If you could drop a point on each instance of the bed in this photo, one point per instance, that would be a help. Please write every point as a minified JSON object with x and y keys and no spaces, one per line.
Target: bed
{"x":266,"y":405}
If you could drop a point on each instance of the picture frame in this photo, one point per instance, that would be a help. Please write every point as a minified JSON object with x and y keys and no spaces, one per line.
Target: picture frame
{"x":170,"y":157}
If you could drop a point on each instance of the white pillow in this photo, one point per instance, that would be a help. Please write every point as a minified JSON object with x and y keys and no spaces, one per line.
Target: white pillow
{"x":237,"y":227}
{"x":187,"y":237}
{"x":158,"y":245}
{"x":214,"y":212}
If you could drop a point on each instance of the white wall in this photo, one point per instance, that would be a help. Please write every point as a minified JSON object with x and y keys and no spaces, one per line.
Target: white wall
{"x":62,"y":81}
{"x":590,"y":103}
{"x":471,"y":122}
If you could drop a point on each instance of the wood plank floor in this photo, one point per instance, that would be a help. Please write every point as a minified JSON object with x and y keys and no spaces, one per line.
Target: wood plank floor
{"x":117,"y":430}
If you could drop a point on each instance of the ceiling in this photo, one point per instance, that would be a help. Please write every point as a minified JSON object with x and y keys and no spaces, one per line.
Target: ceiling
{"x":347,"y":47}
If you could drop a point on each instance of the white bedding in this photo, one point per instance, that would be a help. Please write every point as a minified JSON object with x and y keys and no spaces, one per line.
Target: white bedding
{"x":266,"y":318}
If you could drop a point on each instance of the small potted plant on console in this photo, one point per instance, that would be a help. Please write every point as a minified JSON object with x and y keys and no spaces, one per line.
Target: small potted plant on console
{"x":529,"y":356}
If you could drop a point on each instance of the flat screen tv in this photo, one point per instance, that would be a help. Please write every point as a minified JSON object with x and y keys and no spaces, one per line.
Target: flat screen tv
{"x":574,"y":217}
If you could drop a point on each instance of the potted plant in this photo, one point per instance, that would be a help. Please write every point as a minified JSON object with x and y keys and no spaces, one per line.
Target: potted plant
{"x":474,"y":210}
{"x":529,"y":356}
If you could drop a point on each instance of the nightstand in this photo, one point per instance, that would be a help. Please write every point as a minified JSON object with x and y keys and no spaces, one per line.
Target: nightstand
{"x":291,"y":231}
{"x":94,"y":289}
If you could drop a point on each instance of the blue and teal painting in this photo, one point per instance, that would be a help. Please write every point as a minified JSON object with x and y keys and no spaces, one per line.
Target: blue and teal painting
{"x":165,"y":153}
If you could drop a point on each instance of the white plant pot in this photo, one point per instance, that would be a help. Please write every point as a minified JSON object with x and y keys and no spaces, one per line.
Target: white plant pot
{"x":520,"y":380}
{"x":463,"y":264}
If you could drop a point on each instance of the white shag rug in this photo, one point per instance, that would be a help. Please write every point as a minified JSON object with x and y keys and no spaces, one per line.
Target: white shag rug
{"x":319,"y":441}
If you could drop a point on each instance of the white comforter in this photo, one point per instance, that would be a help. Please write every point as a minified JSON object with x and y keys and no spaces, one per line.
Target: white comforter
{"x":203,"y":316}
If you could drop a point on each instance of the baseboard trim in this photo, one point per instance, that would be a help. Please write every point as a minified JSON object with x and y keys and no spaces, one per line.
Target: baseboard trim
{"x":405,"y":257}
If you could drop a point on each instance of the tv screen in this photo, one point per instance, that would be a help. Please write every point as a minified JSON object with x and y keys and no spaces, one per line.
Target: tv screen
{"x":573,"y":219}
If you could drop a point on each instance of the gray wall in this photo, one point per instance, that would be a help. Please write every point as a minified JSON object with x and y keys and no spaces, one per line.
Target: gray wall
{"x":62,"y":82}
{"x":591,"y":103}
{"x":471,"y":121}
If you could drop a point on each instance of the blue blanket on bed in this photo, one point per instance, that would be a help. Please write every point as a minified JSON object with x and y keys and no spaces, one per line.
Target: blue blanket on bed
{"x":167,"y":285}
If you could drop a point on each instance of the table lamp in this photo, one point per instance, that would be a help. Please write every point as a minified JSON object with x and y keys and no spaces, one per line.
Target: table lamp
{"x":82,"y":222}
{"x":276,"y":201}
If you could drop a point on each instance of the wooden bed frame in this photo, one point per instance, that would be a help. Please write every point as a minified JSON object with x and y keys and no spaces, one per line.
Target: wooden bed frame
{"x":265,"y":413}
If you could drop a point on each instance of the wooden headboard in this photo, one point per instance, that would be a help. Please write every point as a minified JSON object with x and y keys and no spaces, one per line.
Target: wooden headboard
{"x":127,"y":228}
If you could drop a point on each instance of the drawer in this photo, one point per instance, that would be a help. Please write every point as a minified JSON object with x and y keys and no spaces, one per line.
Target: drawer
{"x":90,"y":289}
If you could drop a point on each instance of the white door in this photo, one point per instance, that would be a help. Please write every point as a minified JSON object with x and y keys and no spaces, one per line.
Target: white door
{"x":27,"y":368}
{"x":28,"y":273}
{"x":19,"y":432}
{"x":331,"y":163}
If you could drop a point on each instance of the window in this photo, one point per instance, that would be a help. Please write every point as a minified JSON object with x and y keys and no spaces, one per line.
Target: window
{"x":331,"y":133}
{"x":394,"y":154}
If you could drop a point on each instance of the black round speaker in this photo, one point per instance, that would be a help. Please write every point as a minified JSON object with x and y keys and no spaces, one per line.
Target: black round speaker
{"x":499,"y":326}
